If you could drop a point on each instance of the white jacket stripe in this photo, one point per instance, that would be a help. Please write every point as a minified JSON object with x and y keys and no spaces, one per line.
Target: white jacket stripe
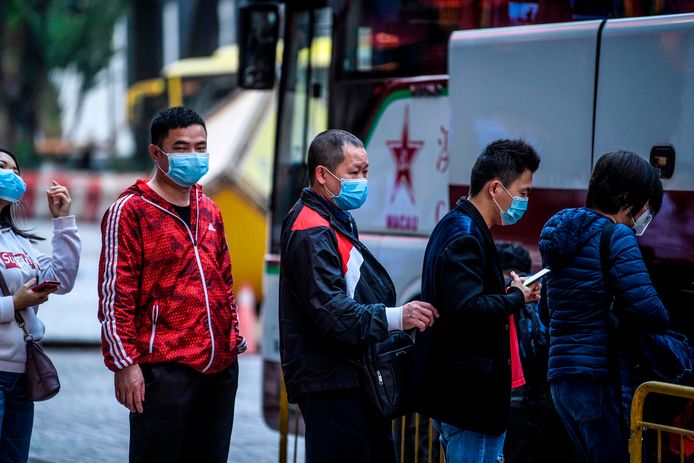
{"x":353,"y":270}
{"x":107,"y":253}
{"x":121,"y":358}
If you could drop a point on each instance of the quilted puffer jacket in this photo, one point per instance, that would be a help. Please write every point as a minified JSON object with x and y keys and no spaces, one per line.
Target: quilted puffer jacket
{"x":577,"y":297}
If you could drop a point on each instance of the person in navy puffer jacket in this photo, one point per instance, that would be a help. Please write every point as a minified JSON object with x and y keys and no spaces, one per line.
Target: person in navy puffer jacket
{"x":624,"y":189}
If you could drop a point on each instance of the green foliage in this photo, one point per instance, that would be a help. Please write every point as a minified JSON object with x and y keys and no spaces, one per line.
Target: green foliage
{"x":80,"y":32}
{"x":40,"y":36}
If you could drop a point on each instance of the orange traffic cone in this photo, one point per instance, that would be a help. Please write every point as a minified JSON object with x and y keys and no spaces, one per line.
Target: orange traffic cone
{"x":248,"y":321}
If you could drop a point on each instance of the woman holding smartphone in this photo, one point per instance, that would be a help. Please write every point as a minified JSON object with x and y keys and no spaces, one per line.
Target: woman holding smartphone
{"x":22,"y":266}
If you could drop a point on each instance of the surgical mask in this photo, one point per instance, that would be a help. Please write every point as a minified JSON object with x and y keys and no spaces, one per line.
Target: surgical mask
{"x":515,"y":211}
{"x":12,"y":187}
{"x":642,"y":222}
{"x":185,"y":169}
{"x":353,"y":192}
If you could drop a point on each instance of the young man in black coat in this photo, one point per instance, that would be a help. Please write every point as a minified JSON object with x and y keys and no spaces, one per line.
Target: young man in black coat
{"x":468,"y":362}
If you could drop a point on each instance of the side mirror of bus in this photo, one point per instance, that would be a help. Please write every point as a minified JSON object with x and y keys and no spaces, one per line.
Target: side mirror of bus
{"x":257,"y":39}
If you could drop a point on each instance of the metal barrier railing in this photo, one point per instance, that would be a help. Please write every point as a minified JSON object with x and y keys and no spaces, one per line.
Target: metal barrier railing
{"x":638,"y":425}
{"x":412,"y":446}
{"x":407,"y":440}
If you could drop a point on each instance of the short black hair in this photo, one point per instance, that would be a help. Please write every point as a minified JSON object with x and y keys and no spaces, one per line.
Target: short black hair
{"x":173,"y":118}
{"x":624,"y":179}
{"x":514,"y":256}
{"x":326,"y":149}
{"x":505,"y":160}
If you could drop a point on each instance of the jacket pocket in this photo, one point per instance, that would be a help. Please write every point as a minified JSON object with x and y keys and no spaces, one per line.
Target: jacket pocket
{"x":155,"y":316}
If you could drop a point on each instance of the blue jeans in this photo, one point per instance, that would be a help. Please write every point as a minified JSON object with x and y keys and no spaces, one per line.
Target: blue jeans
{"x":592,"y":415}
{"x":463,"y":446}
{"x":17,"y":417}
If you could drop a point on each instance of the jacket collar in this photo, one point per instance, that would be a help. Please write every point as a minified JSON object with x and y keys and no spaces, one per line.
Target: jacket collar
{"x":143,"y":189}
{"x":469,"y":209}
{"x":338,"y":219}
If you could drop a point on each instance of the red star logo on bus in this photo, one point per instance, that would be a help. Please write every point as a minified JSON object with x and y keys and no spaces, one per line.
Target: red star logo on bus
{"x":404,"y":152}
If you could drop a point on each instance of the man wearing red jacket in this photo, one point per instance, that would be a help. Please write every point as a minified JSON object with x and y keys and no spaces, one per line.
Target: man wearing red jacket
{"x":166,"y":305}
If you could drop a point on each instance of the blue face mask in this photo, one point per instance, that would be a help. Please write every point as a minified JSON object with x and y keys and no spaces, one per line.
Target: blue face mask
{"x":515,"y":211}
{"x":353,"y":192}
{"x":185,"y":169}
{"x":12,"y":187}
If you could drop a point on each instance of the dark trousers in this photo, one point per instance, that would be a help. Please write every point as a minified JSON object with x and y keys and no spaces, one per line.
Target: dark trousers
{"x":342,"y":427}
{"x":592,"y":414}
{"x":187,"y":416}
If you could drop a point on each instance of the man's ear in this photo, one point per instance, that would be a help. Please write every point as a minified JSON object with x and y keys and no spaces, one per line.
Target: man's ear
{"x":320,"y":175}
{"x":492,"y":186}
{"x":154,"y":152}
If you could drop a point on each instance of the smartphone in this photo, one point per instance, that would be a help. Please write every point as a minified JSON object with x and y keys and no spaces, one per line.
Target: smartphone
{"x":534,"y":278}
{"x":48,"y":284}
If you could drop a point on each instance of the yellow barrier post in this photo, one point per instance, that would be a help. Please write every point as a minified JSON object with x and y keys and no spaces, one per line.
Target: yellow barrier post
{"x":416,"y":438}
{"x":638,"y":425}
{"x":402,"y":439}
{"x":284,"y":421}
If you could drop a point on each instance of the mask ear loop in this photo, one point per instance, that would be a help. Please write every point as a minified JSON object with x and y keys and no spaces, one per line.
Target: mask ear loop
{"x":326,"y":186}
{"x":497,"y":204}
{"x":167,"y":157}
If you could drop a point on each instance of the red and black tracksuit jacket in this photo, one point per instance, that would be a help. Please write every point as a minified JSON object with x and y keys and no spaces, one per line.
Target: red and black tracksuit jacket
{"x":165,"y":288}
{"x":333,"y":294}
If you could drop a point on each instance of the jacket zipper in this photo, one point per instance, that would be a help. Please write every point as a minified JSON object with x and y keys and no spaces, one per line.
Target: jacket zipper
{"x":380,"y":378}
{"x":202,"y":273}
{"x":155,"y":317}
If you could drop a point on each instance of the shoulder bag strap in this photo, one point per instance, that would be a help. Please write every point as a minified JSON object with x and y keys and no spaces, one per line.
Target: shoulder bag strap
{"x":3,"y":285}
{"x":17,"y":315}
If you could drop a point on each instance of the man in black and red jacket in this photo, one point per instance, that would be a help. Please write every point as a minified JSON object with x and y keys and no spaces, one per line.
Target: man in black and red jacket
{"x":336,"y":299}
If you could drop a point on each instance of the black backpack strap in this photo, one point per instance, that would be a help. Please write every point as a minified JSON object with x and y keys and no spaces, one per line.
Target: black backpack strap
{"x":605,"y":240}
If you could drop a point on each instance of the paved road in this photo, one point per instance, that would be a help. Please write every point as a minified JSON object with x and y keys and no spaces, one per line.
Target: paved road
{"x":84,"y":423}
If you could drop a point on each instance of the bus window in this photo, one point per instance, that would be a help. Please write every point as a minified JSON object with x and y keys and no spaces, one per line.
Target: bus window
{"x":409,"y":37}
{"x":258,"y":29}
{"x":304,"y":104}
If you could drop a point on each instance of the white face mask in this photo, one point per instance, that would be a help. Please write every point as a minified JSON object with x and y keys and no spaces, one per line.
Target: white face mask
{"x":642,"y":222}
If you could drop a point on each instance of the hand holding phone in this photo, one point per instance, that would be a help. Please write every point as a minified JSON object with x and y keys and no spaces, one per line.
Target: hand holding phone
{"x":46,"y":286}
{"x":532,"y":279}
